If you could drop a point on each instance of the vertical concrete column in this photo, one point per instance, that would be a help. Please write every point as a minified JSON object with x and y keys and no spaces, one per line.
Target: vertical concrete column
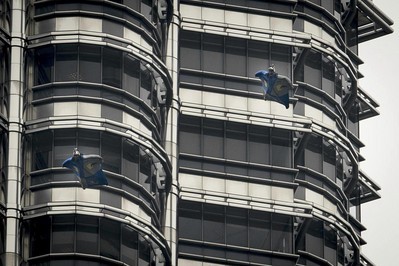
{"x":171,"y":145}
{"x":15,"y":119}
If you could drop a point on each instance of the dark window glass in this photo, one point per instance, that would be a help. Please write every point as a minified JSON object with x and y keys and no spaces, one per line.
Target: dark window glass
{"x":328,"y":76}
{"x":281,"y":147}
{"x":190,"y":225}
{"x":146,"y":9}
{"x":66,"y":62}
{"x":237,"y":227}
{"x":129,"y":245}
{"x":259,"y":230}
{"x":111,"y":113}
{"x":64,"y":142}
{"x":145,"y":170}
{"x":90,"y":63}
{"x":312,"y":69}
{"x":213,"y":138}
{"x":134,"y":4}
{"x":190,"y":50}
{"x":214,"y":227}
{"x":63,"y":233}
{"x":329,"y":156}
{"x":86,"y":234}
{"x":131,"y":75}
{"x":281,"y":233}
{"x":236,"y":56}
{"x":190,"y":135}
{"x":44,"y":64}
{"x":130,"y":163}
{"x":259,"y":144}
{"x":144,"y":252}
{"x":111,"y":152}
{"x":112,"y":67}
{"x":146,"y":85}
{"x":281,"y":58}
{"x":213,"y":53}
{"x":89,"y":141}
{"x":258,"y":57}
{"x":40,"y":236}
{"x":236,"y":141}
{"x":330,"y":248}
{"x":42,"y":144}
{"x":109,"y":238}
{"x":313,"y":153}
{"x":314,"y":238}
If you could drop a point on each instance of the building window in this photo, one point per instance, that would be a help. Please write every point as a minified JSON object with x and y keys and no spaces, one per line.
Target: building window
{"x":94,"y":64}
{"x":120,"y":156}
{"x":87,"y":235}
{"x":233,"y":227}
{"x":232,"y":56}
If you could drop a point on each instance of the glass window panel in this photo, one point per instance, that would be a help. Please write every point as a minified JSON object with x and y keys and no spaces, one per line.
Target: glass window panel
{"x":236,"y":56}
{"x":190,"y":50}
{"x":40,"y":236}
{"x":258,"y":56}
{"x":131,"y":75}
{"x":44,"y":64}
{"x":144,"y":252}
{"x":89,"y":141}
{"x":236,"y":141}
{"x":237,"y":227}
{"x":63,"y":233}
{"x":328,"y":69}
{"x":130,"y":163}
{"x":134,"y":4}
{"x":329,"y":160}
{"x":313,"y":153}
{"x":146,"y":9}
{"x":90,"y":63}
{"x":112,"y":67}
{"x":109,"y":238}
{"x":312,"y":69}
{"x":190,"y":223}
{"x":190,"y":135}
{"x":259,"y":144}
{"x":281,"y":147}
{"x":129,"y":245}
{"x":213,"y":225}
{"x":41,"y":149}
{"x":314,"y":238}
{"x":86,"y":234}
{"x":145,"y":174}
{"x":281,"y":58}
{"x":66,"y":62}
{"x":213,"y":138}
{"x":213,"y":53}
{"x":259,"y":230}
{"x":64,"y":143}
{"x":111,"y":152}
{"x":67,"y":6}
{"x":282,"y":233}
{"x":330,"y":248}
{"x":146,"y":85}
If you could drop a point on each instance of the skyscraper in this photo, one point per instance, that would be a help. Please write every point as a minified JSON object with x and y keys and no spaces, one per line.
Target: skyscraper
{"x":201,"y":169}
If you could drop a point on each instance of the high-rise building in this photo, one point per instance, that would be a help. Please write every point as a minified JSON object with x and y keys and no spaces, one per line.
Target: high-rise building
{"x":201,"y":169}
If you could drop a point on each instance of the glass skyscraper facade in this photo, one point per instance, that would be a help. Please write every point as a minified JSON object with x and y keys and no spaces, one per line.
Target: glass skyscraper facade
{"x":201,"y":169}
